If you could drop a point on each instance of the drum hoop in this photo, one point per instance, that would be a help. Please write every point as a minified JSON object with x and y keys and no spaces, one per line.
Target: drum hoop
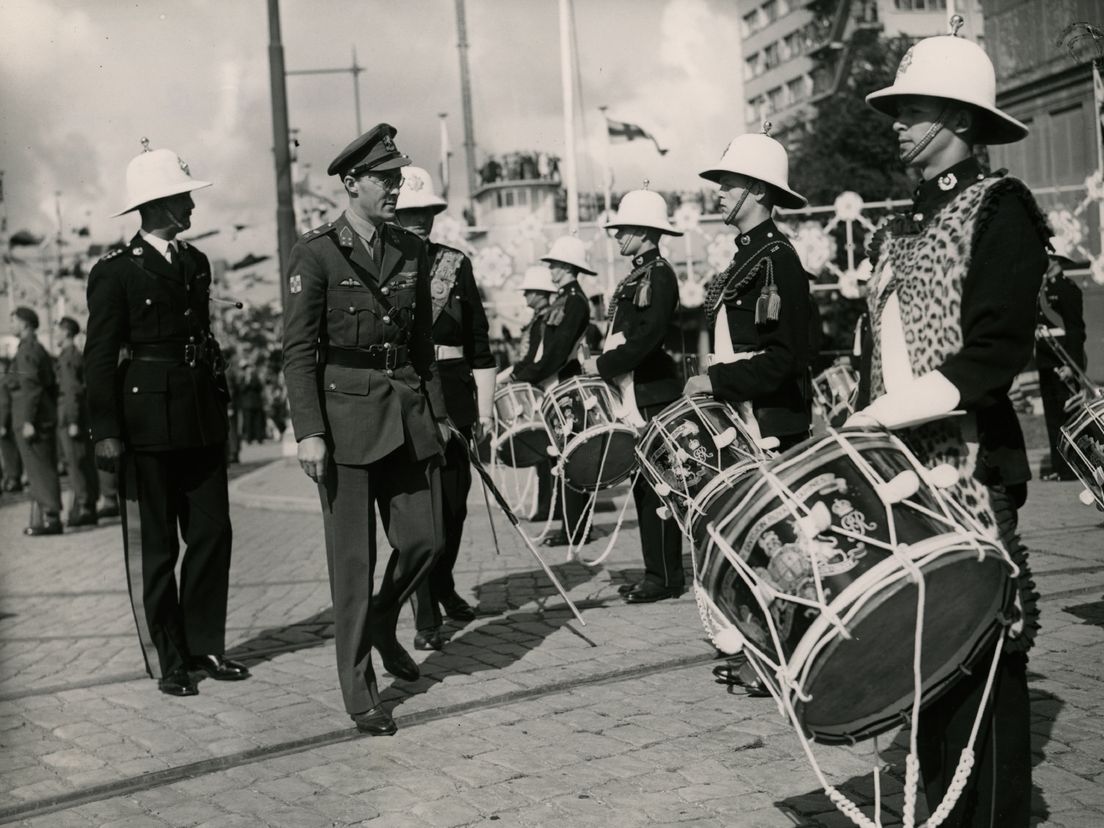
{"x":517,"y":430}
{"x":586,"y":434}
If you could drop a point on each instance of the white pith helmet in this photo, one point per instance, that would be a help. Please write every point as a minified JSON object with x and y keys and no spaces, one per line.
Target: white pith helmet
{"x":955,"y":69}
{"x":538,"y":277}
{"x":417,"y":192}
{"x":155,"y":174}
{"x":643,"y":208}
{"x":757,"y":155}
{"x":570,"y":251}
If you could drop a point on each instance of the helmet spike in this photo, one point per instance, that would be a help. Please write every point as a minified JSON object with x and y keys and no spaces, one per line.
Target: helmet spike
{"x":956,"y":22}
{"x":145,"y":144}
{"x":646,"y":183}
{"x":767,"y":127}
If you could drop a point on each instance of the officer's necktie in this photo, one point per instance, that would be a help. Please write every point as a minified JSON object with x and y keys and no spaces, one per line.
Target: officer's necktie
{"x":377,"y":248}
{"x":170,"y":253}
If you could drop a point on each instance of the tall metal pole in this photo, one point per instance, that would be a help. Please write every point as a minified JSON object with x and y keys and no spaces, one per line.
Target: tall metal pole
{"x":9,"y":277}
{"x":567,"y":70}
{"x":281,"y":147}
{"x":356,"y":70}
{"x":466,"y":103}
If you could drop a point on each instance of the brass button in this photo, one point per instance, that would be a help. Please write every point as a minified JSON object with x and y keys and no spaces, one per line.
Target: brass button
{"x":352,"y":309}
{"x":188,"y":312}
{"x":739,"y":301}
{"x":333,"y":386}
{"x":386,"y":320}
{"x":385,"y":291}
{"x":191,"y":339}
{"x":134,"y":390}
{"x":389,"y":372}
{"x":149,"y":301}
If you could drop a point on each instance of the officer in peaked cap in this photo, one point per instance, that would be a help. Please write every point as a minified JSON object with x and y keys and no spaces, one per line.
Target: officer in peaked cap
{"x":467,"y":368}
{"x":159,"y":419}
{"x":73,"y":427}
{"x":368,"y":411}
{"x":34,"y":423}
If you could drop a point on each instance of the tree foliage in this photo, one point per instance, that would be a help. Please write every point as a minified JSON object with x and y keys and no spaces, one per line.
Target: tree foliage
{"x":847,"y":145}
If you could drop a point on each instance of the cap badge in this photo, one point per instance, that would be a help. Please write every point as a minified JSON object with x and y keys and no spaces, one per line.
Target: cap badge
{"x":906,"y":62}
{"x":947,"y":182}
{"x":183,"y":165}
{"x":388,"y":143}
{"x":414,"y":183}
{"x":295,"y":284}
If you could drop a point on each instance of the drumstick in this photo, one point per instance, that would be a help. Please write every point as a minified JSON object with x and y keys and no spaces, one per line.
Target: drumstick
{"x":489,"y":483}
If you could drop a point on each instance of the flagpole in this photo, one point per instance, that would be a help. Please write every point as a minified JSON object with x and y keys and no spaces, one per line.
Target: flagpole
{"x":607,"y":187}
{"x":1098,"y":102}
{"x":571,"y":181}
{"x":444,"y":156}
{"x":9,"y":276}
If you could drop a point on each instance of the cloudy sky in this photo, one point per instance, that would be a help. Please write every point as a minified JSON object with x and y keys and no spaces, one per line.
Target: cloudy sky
{"x":81,"y":82}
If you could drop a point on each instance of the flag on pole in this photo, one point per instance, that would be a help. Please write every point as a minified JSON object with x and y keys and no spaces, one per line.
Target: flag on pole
{"x":444,"y":163}
{"x":623,"y":131}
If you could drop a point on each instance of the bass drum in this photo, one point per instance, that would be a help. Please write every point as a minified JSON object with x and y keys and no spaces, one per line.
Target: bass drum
{"x":519,"y":439}
{"x":813,"y":560}
{"x":1081,"y":445}
{"x":583,"y":422}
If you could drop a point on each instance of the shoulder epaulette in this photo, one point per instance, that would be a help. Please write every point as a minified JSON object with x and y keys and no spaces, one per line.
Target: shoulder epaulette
{"x":111,"y":254}
{"x":310,"y":235}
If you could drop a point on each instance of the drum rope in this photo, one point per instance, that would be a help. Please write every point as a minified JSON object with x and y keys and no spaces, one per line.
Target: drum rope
{"x":573,"y":547}
{"x":617,"y":527}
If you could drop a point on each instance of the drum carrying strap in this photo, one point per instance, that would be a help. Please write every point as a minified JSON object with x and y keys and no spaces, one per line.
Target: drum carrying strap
{"x":446,"y":267}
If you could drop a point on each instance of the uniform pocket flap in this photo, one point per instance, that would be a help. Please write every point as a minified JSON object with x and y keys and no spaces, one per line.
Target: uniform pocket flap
{"x":147,"y":378}
{"x":338,"y":379}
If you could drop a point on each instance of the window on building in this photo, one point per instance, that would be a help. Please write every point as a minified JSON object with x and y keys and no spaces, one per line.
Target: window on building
{"x":784,"y":7}
{"x":920,"y":5}
{"x":796,"y":90}
{"x":770,"y":57}
{"x":793,"y":44}
{"x":751,"y":66}
{"x":509,"y":198}
{"x":751,"y":112}
{"x":776,"y":99}
{"x":770,"y":11}
{"x":749,"y":24}
{"x":498,"y":198}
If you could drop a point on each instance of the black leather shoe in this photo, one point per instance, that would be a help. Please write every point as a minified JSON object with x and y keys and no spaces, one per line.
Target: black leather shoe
{"x":736,"y":672}
{"x":646,"y":593}
{"x":561,"y":539}
{"x":375,"y":722}
{"x":428,"y":640}
{"x":625,"y":589}
{"x":219,"y":668}
{"x":178,"y":683}
{"x":51,"y":528}
{"x":398,"y":663}
{"x":457,"y":608}
{"x":85,"y":519}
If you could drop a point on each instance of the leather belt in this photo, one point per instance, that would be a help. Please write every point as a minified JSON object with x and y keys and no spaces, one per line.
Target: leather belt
{"x":176,"y":353}
{"x":378,"y":357}
{"x":442,"y":352}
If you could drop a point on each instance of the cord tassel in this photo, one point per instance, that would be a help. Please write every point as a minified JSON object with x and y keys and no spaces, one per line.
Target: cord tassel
{"x":644,"y":292}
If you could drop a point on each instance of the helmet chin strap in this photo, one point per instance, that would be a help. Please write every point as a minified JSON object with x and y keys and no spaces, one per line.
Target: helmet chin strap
{"x":933,"y":130}
{"x":731,"y":217}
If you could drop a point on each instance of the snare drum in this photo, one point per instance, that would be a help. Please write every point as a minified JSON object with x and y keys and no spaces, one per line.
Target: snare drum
{"x":809,"y":562}
{"x":834,"y":390}
{"x":596,"y":448}
{"x":690,"y":448}
{"x":1081,"y":444}
{"x":520,"y":439}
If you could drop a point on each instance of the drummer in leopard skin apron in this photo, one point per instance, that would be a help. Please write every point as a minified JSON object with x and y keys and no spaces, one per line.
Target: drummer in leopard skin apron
{"x":952,"y":312}
{"x":634,"y":361}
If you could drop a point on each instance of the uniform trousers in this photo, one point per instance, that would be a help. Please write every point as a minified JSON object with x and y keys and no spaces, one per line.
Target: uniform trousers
{"x":998,"y":792}
{"x":407,"y":493}
{"x":1055,"y":394}
{"x":572,"y":507}
{"x":660,"y":540}
{"x":40,"y":461}
{"x":83,"y":480}
{"x":456,"y":481}
{"x":108,"y":483}
{"x":163,"y":492}
{"x":10,"y":461}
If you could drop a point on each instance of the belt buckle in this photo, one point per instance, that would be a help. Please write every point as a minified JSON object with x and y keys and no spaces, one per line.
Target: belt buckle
{"x":391,"y":359}
{"x":190,"y":354}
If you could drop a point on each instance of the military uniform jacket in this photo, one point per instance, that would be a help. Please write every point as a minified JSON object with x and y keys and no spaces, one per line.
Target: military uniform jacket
{"x":775,"y":378}
{"x":1061,"y":305}
{"x":34,"y":387}
{"x":72,"y":404}
{"x":7,"y":380}
{"x":564,"y":325}
{"x":642,"y":309}
{"x":364,"y":413}
{"x":460,"y":321}
{"x":135,"y":298}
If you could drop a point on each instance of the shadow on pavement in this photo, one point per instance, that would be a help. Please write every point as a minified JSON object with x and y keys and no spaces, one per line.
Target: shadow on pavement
{"x":1090,"y":613}
{"x":310,"y":632}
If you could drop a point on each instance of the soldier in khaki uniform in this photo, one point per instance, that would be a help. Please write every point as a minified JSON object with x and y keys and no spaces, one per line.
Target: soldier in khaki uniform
{"x":34,"y":423}
{"x":73,"y":427}
{"x":368,"y":412}
{"x":467,"y":368}
{"x":10,"y":461}
{"x":159,"y":419}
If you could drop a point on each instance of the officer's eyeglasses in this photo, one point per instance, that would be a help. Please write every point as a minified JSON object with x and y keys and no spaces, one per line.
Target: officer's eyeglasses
{"x":388,"y":183}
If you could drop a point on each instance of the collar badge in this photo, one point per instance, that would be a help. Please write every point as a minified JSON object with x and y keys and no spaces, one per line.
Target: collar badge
{"x":137,"y":251}
{"x":947,"y":182}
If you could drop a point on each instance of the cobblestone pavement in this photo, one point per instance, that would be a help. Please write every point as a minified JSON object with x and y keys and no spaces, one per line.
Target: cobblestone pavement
{"x":526,"y":718}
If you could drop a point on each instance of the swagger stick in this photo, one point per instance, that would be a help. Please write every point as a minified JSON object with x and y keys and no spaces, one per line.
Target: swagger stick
{"x":489,"y":484}
{"x":487,"y":503}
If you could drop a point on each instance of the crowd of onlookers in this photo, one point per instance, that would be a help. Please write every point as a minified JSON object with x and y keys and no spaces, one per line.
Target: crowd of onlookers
{"x":520,"y":166}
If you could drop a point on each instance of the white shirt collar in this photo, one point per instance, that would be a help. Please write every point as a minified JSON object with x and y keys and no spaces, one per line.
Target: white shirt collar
{"x":157,"y":243}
